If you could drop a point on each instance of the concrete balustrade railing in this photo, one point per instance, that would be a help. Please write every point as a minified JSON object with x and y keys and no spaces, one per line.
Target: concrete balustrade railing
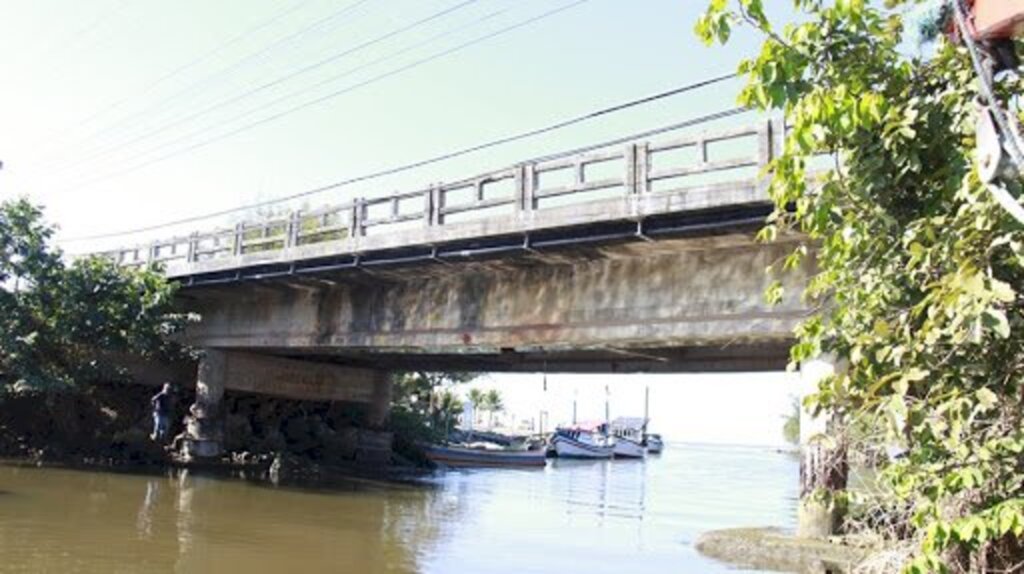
{"x":635,"y":168}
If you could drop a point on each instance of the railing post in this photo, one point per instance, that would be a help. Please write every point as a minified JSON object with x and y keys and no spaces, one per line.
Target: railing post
{"x":630,"y":158}
{"x":643,"y":160}
{"x":637,"y":159}
{"x":239,"y":237}
{"x":765,"y":145}
{"x":526,"y":187}
{"x":356,"y":226}
{"x":151,"y":253}
{"x":432,"y":209}
{"x":294,"y":225}
{"x":778,"y":128}
{"x":769,"y":147}
{"x":191,"y":255}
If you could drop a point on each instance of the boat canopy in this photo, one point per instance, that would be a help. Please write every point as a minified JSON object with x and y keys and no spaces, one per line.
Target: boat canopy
{"x":630,"y":423}
{"x":585,"y":426}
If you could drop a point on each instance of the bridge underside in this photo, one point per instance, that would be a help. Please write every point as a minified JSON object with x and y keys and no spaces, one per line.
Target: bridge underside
{"x":682,"y":304}
{"x":739,"y":357}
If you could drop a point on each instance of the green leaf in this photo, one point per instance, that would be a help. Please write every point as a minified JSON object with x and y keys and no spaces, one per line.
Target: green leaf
{"x":995,"y":319}
{"x":986,"y":398}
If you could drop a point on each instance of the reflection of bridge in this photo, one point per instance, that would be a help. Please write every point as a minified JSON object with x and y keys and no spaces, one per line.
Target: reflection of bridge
{"x":637,"y":258}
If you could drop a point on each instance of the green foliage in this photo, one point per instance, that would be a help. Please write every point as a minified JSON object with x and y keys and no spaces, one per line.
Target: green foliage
{"x":58,"y":321}
{"x":919,"y":271}
{"x":493,"y":403}
{"x":479,"y":399}
{"x":426,"y":399}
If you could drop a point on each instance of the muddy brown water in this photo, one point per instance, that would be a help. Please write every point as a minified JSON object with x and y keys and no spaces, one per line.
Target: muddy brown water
{"x":592,"y":517}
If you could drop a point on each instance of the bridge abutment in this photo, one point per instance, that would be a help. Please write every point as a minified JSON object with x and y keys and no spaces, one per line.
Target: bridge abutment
{"x":258,"y":374}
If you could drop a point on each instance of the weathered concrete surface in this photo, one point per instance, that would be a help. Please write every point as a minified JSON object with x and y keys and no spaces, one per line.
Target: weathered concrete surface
{"x":204,"y":426}
{"x":269,"y":375}
{"x":303,"y":380}
{"x":772,"y":549}
{"x":642,"y":306}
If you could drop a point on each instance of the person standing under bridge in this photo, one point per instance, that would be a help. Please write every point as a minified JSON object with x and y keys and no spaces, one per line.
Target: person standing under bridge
{"x":162,"y":403}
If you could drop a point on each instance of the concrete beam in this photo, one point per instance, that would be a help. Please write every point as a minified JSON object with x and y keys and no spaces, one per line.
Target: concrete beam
{"x":302,"y":380}
{"x":639,"y":301}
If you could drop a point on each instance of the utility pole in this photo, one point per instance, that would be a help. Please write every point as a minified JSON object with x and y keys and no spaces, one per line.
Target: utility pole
{"x":574,"y":394}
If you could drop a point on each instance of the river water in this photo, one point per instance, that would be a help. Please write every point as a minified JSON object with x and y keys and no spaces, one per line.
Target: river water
{"x":619,"y":517}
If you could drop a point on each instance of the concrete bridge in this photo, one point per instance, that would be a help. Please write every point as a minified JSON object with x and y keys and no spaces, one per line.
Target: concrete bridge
{"x":637,"y":257}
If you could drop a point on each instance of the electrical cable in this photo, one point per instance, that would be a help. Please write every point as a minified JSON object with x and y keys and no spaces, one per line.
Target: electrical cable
{"x":320,"y":99}
{"x":194,"y":61}
{"x":219,"y":74}
{"x":291,"y":95}
{"x":446,"y":156}
{"x":272,"y":83}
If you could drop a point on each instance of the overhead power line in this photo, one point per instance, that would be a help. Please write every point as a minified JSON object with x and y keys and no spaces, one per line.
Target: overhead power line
{"x":195,"y":61}
{"x":217,"y":75}
{"x":192,"y":135}
{"x":276,"y":81}
{"x":461,"y":152}
{"x":334,"y":94}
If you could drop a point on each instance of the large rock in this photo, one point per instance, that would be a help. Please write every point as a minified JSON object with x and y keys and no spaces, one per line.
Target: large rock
{"x":773,"y":549}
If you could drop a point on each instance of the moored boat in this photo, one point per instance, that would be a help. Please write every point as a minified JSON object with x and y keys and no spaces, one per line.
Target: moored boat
{"x":629,"y":437}
{"x":654,"y":444}
{"x":583,"y":441}
{"x":483,"y":457}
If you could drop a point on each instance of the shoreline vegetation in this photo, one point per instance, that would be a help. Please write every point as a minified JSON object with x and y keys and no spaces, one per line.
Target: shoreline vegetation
{"x":918,"y":262}
{"x":106,"y":426}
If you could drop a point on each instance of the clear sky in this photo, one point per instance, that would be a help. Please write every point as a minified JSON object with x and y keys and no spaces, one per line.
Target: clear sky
{"x":120,"y":113}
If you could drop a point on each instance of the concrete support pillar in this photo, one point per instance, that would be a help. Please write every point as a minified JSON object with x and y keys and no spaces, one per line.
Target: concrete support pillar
{"x":374,"y":442}
{"x":823,"y":464}
{"x":378,"y":414}
{"x":204,"y":426}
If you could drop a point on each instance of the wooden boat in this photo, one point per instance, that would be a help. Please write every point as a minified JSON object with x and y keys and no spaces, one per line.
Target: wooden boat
{"x":459,"y":456}
{"x":583,"y":441}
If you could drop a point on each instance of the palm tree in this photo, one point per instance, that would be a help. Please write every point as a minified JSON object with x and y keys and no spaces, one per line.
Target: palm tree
{"x":448,"y":407}
{"x":495,"y":404}
{"x":479,"y":399}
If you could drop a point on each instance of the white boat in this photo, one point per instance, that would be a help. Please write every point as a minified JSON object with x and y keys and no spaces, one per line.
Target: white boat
{"x":654,"y":444}
{"x":629,"y":437}
{"x":582,"y":441}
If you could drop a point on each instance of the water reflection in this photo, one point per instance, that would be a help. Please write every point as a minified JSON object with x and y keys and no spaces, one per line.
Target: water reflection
{"x":597,"y":516}
{"x":144,"y":521}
